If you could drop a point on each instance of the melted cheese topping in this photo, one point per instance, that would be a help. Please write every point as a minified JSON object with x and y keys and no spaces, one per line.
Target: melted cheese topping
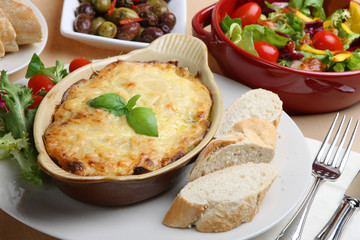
{"x":93,"y":142}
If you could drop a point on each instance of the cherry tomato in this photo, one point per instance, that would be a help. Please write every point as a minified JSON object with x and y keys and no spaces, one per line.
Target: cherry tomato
{"x":327,"y":40}
{"x":266,"y":51}
{"x":249,"y":13}
{"x":40,"y":83}
{"x":37,"y":101}
{"x":78,"y":63}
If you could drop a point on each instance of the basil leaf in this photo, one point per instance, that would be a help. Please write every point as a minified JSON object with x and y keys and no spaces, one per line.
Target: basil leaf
{"x":34,"y":66}
{"x":131,"y":103}
{"x":111,"y":102}
{"x":143,"y":121}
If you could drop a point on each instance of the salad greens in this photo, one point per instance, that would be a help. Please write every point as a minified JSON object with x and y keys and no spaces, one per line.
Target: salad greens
{"x":16,"y":139}
{"x":291,"y":29}
{"x":141,"y":119}
{"x":16,"y":124}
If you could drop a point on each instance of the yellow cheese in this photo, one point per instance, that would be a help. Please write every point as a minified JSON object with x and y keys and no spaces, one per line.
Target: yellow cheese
{"x":88,"y":141}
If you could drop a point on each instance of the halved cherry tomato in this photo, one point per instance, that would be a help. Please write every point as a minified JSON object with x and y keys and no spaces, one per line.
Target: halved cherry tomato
{"x":37,"y":101}
{"x":266,"y":51}
{"x":249,"y":13}
{"x":77,"y":63}
{"x":324,"y":40}
{"x":40,"y":83}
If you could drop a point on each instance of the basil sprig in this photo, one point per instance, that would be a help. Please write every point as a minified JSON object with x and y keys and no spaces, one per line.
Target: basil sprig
{"x":36,"y":66}
{"x":141,"y":119}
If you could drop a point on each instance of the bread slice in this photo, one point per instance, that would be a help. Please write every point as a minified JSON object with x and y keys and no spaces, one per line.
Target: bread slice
{"x":222,"y":200}
{"x":251,"y":140}
{"x":7,"y":35}
{"x":257,"y":103}
{"x":23,"y":19}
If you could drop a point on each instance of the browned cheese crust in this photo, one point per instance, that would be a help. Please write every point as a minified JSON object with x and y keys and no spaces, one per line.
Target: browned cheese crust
{"x":93,"y":142}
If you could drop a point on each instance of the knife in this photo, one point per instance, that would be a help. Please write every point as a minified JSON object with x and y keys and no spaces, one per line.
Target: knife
{"x":336,"y":224}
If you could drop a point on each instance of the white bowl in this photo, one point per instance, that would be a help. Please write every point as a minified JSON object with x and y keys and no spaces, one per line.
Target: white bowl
{"x":178,"y":7}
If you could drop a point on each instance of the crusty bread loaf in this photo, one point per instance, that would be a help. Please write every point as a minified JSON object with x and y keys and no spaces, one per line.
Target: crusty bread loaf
{"x":257,"y":103}
{"x":222,"y":200}
{"x":251,"y":140}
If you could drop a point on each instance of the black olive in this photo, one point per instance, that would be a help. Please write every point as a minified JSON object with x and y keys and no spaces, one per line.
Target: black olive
{"x":150,"y":34}
{"x":150,"y":19}
{"x":86,"y":8}
{"x":128,"y":31}
{"x":169,"y":19}
{"x":82,"y":23}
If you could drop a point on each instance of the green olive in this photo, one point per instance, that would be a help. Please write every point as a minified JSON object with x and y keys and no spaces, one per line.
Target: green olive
{"x":121,"y":14}
{"x":95,"y":24}
{"x":153,"y":2}
{"x":84,"y":1}
{"x":160,"y":9}
{"x":101,"y":6}
{"x":107,"y":29}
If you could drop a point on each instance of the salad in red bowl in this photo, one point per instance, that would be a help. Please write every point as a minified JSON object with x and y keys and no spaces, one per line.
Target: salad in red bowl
{"x":297,"y":34}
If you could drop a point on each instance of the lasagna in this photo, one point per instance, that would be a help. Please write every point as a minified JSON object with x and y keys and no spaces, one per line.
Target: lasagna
{"x":93,"y":142}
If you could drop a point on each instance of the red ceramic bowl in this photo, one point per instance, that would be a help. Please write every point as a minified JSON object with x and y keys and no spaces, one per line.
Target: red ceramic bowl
{"x":301,"y":91}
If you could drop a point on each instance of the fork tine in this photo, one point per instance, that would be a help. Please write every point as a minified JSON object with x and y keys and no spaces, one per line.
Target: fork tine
{"x":333,"y":144}
{"x":324,"y":143}
{"x":340,"y":147}
{"x":348,"y":148}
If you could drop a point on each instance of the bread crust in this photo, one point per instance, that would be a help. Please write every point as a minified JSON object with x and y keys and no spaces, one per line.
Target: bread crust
{"x":183,"y":214}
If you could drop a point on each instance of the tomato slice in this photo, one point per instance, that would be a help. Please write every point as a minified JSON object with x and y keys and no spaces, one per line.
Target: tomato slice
{"x":249,"y":13}
{"x":78,"y":63}
{"x":325,"y":40}
{"x":266,"y":51}
{"x":37,"y":101}
{"x":40,"y":83}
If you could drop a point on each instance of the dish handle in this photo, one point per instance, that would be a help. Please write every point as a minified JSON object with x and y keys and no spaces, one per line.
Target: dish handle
{"x":200,"y":21}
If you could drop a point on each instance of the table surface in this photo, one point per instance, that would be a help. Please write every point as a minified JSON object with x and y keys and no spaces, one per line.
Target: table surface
{"x":58,"y":47}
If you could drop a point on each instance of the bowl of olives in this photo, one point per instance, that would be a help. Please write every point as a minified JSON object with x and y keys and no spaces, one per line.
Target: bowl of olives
{"x":122,"y":25}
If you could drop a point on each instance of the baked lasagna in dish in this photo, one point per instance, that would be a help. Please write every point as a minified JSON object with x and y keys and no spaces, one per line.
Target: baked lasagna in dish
{"x":93,"y":142}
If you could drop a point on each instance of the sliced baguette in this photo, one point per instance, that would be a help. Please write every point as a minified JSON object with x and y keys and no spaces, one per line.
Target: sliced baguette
{"x":251,"y":140}
{"x":222,"y":200}
{"x":257,"y":103}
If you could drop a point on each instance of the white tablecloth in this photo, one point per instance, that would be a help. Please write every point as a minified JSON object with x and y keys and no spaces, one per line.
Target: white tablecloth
{"x":327,"y":199}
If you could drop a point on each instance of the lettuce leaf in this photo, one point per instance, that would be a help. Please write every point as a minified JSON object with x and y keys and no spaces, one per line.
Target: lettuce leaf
{"x":309,"y":7}
{"x":17,"y":124}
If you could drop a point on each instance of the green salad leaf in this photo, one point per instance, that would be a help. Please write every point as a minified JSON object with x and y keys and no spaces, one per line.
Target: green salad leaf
{"x":17,"y":123}
{"x":309,"y":7}
{"x":262,"y":33}
{"x":141,"y":119}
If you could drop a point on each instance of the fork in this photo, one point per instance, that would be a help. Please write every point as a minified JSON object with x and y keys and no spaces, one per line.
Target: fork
{"x":328,"y":167}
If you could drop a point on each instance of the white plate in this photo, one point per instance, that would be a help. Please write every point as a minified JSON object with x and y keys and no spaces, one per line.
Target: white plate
{"x":50,"y":211}
{"x":13,"y":62}
{"x":178,"y":7}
